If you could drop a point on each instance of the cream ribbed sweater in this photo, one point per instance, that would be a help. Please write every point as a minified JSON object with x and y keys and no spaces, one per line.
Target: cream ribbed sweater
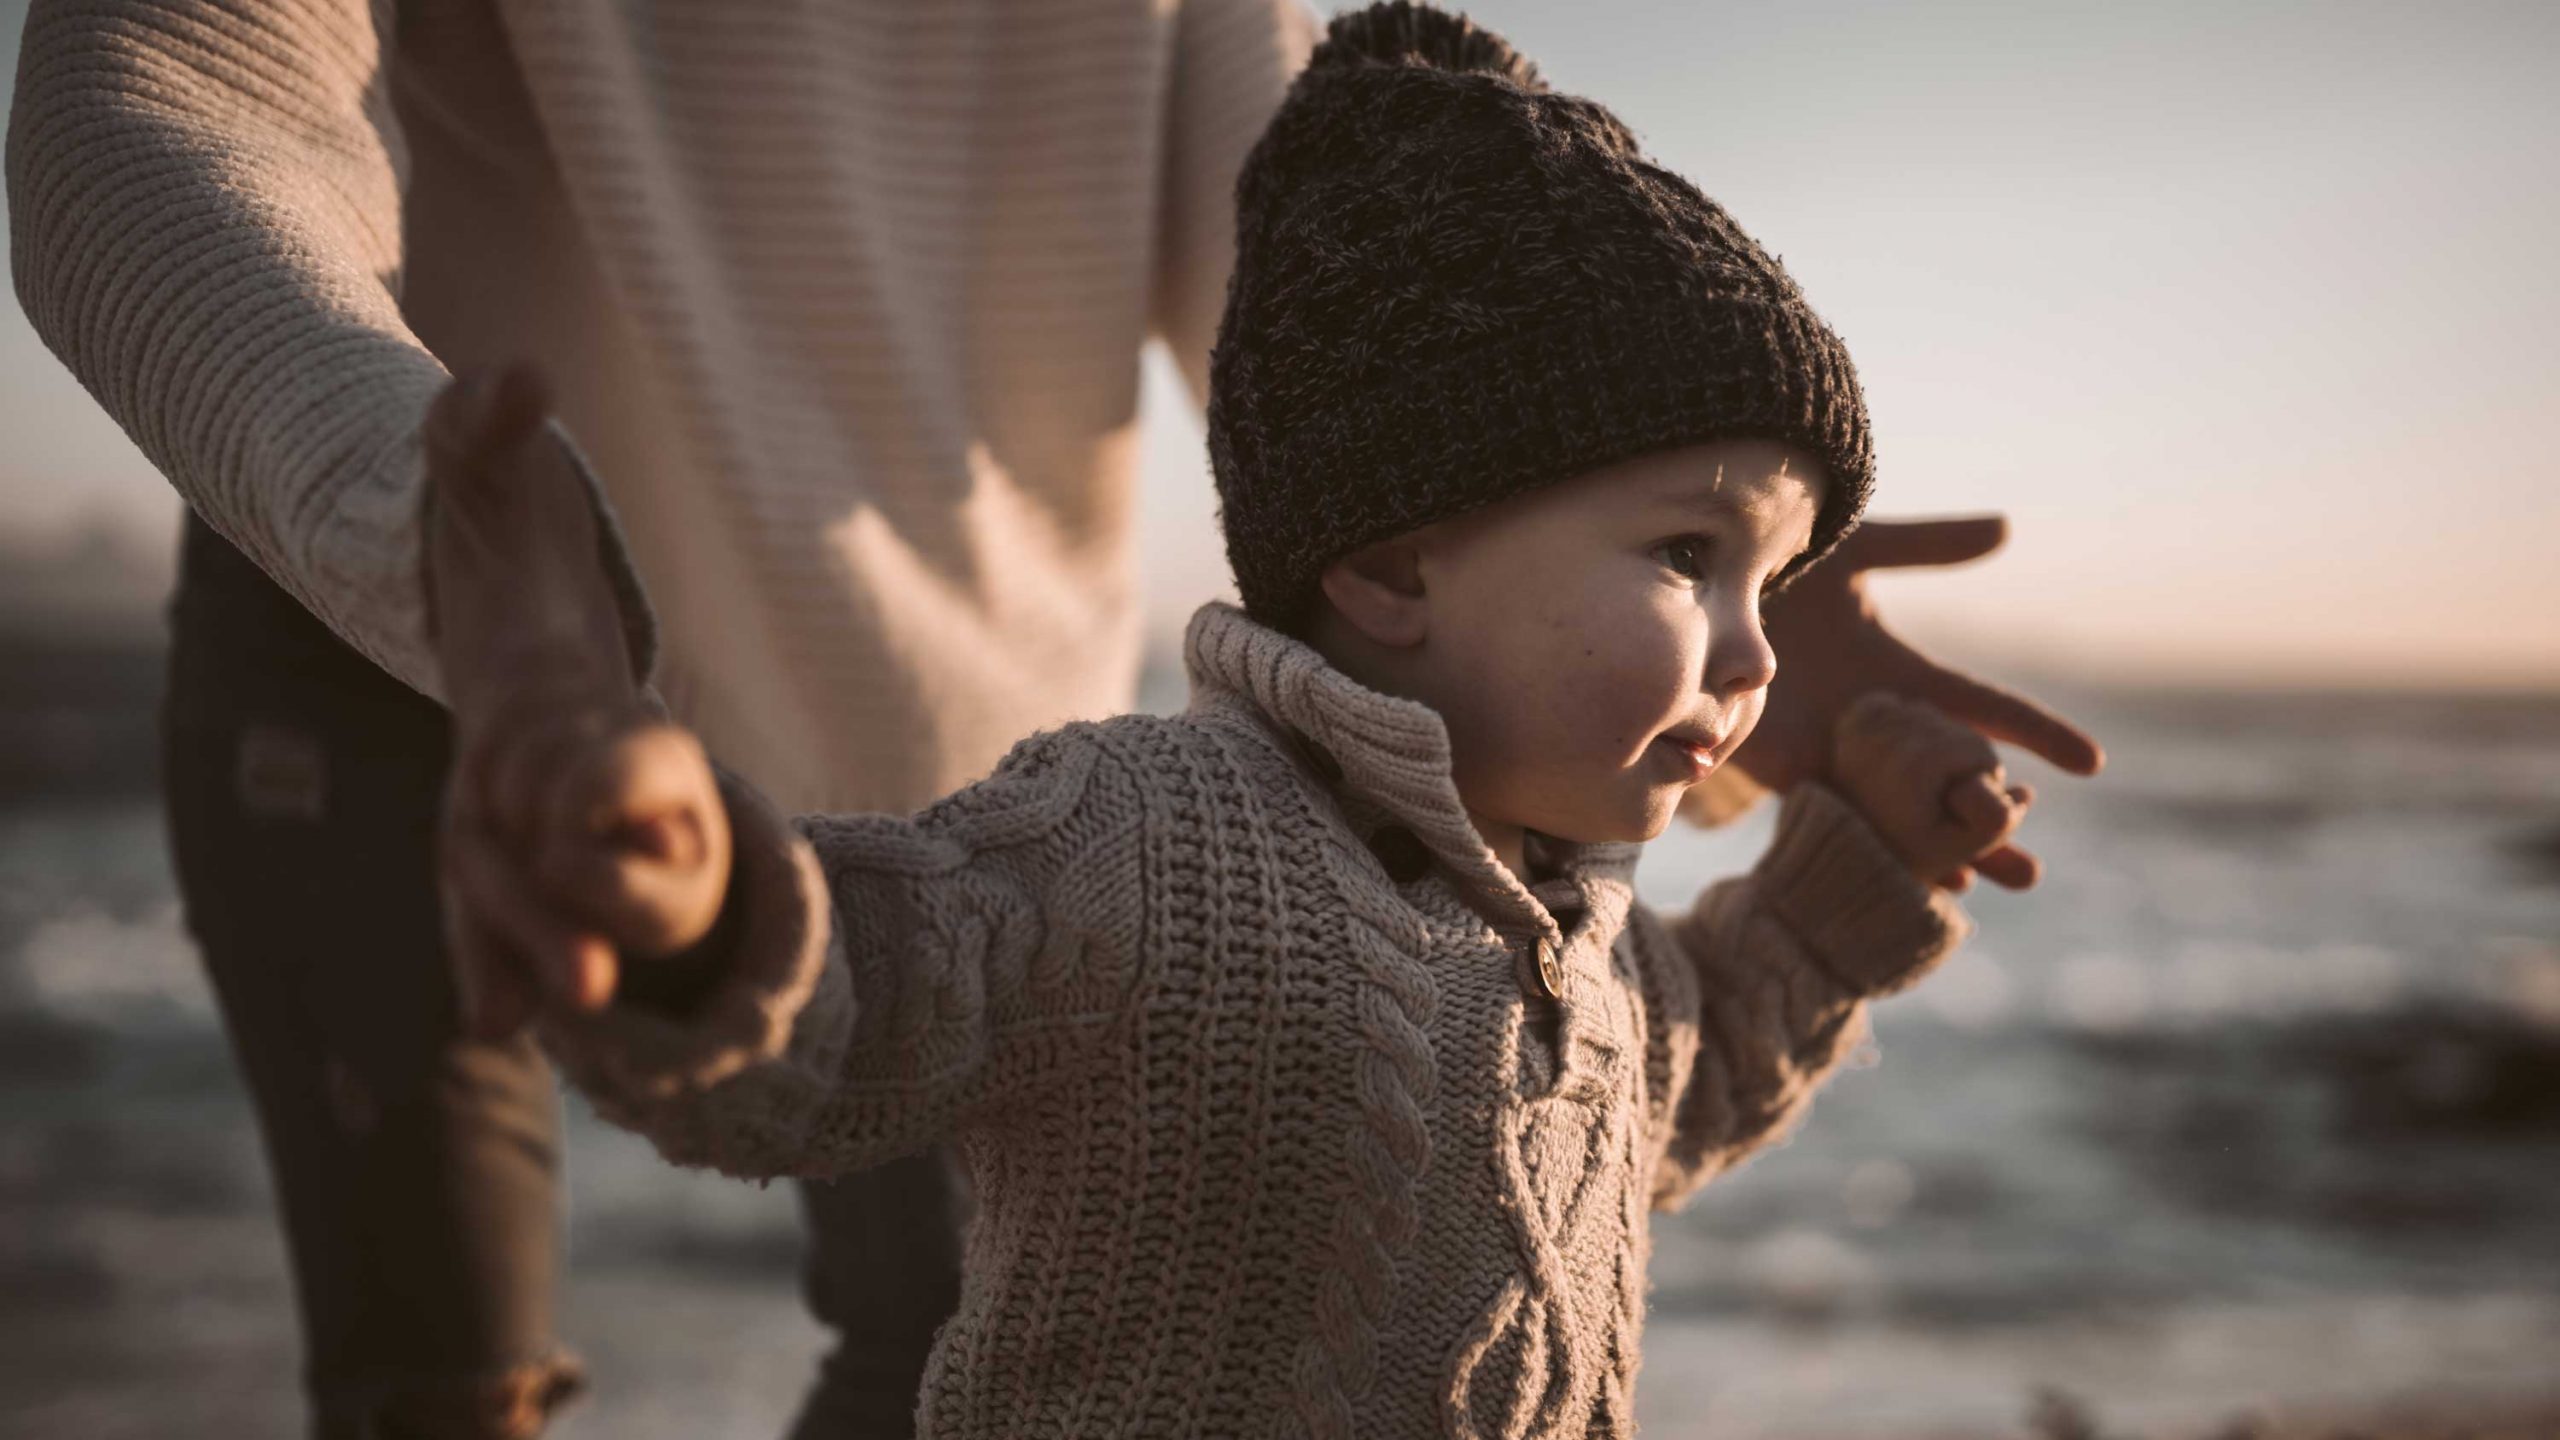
{"x":844,"y":302}
{"x":1239,"y":1026}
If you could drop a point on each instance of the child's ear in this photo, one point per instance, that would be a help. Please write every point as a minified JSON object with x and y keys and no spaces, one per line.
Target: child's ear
{"x":1378,"y":591}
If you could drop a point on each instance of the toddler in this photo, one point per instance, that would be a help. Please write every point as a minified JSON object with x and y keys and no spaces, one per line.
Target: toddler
{"x":1315,"y":1069}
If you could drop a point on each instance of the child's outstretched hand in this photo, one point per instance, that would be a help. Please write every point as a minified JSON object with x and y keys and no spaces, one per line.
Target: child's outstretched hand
{"x":581,"y":828}
{"x":1934,"y":789}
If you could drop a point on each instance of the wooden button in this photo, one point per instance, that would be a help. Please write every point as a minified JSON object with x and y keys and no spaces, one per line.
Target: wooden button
{"x":1550,"y":971}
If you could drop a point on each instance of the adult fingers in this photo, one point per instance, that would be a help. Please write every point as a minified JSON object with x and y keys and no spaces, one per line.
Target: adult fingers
{"x":534,"y":754}
{"x":570,"y":965}
{"x":472,"y":431}
{"x":516,"y":594}
{"x":2006,"y":715}
{"x":1885,"y":544}
{"x":495,"y":998}
{"x":625,"y":779}
{"x":480,"y":415}
{"x":1958,"y":880}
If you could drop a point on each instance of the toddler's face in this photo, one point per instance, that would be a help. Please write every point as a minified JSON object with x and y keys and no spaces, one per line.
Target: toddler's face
{"x":1595,"y":646}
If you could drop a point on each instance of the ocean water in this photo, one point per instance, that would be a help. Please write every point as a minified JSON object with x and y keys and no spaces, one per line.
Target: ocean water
{"x":2254,"y":1105}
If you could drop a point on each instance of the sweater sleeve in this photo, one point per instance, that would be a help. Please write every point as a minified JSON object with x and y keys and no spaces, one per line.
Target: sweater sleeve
{"x":1756,"y":996}
{"x":1232,"y":62}
{"x":205,"y":225}
{"x":891,"y":978}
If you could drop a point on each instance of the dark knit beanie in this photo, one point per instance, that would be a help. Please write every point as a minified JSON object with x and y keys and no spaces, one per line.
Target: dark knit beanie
{"x":1453,"y":284}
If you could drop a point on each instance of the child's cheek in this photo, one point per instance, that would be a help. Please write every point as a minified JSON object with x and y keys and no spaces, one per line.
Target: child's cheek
{"x":1638,"y":677}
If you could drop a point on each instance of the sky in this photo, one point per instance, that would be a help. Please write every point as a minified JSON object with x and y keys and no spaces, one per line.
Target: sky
{"x":2244,"y":314}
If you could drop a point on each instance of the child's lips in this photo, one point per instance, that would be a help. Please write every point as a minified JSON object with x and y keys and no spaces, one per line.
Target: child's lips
{"x":1700,"y":757}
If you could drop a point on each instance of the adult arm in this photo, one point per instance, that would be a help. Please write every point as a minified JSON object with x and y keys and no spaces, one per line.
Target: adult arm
{"x":1232,"y":62}
{"x":205,"y":225}
{"x":1756,"y":995}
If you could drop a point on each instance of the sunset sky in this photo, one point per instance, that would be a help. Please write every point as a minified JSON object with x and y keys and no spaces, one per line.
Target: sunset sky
{"x":2245,"y":313}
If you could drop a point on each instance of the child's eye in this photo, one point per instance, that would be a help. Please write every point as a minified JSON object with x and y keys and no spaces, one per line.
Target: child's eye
{"x":1686,"y":556}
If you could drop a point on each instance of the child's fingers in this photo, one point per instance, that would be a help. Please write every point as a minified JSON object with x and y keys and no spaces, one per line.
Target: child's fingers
{"x":1936,"y":788}
{"x":1990,"y":813}
{"x":570,"y":965}
{"x":2009,"y":867}
{"x":1979,"y":803}
{"x":1875,"y":726}
{"x":1882,"y":733}
{"x":635,"y":840}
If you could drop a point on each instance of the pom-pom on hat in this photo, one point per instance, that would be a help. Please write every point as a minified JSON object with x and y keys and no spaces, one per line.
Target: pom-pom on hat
{"x":1454,"y":284}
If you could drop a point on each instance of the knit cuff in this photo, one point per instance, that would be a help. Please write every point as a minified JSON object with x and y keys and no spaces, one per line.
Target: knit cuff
{"x":1864,"y":918}
{"x":744,"y":1014}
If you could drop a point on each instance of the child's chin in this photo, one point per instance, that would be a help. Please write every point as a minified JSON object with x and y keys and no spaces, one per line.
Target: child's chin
{"x":1657,"y":821}
{"x":1634,"y":826}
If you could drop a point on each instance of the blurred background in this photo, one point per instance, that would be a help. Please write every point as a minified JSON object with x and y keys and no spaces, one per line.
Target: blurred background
{"x":2242,"y":312}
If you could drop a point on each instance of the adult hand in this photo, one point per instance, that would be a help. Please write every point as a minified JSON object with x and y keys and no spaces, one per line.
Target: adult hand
{"x":1832,"y":647}
{"x":577,"y":824}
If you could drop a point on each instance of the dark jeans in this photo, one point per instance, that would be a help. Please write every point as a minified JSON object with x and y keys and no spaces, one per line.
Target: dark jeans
{"x":417,"y":1172}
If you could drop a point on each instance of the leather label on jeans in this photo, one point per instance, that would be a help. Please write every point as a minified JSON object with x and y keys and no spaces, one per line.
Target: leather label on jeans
{"x":283,"y":773}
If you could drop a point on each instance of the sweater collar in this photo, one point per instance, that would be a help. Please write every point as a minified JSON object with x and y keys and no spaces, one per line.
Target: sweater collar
{"x":1386,"y":753}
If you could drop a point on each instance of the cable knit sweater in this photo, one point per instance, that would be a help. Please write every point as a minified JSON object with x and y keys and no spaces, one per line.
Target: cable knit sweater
{"x":1289,"y":1109}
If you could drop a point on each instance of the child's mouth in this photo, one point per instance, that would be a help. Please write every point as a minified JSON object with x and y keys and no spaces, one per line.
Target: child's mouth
{"x":1697,"y":759}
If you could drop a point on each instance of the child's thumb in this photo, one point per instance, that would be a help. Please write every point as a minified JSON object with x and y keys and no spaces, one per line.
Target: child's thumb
{"x":1977,"y":801}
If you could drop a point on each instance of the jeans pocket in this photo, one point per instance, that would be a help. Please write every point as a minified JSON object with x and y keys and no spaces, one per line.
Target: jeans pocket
{"x":280,"y":771}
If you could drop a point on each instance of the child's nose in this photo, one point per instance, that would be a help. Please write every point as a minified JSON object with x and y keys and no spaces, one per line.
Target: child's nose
{"x":1741,"y":662}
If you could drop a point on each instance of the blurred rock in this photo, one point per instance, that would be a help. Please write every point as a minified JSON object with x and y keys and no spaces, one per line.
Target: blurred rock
{"x":2436,"y":1071}
{"x":40,"y":1052}
{"x":2437,"y":1119}
{"x":2536,"y":851}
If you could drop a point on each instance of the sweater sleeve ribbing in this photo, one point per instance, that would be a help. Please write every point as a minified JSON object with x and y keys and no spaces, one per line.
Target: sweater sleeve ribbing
{"x":895,"y":977}
{"x":205,"y":226}
{"x":1756,"y":996}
